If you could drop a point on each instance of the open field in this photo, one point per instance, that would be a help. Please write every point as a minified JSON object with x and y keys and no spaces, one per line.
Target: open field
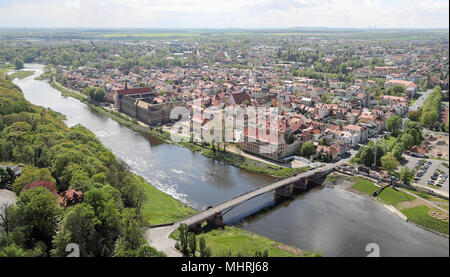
{"x":231,"y":241}
{"x":416,"y":210}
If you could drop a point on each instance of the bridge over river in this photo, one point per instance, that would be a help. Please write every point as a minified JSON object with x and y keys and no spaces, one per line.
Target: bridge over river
{"x":158,"y":235}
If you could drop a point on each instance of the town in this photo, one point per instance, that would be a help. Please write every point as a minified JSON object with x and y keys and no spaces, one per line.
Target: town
{"x":286,"y":114}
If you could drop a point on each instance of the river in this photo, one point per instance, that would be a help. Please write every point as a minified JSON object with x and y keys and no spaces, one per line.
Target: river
{"x":332,"y":221}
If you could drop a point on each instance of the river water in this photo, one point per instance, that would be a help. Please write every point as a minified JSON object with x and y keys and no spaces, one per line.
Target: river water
{"x":332,"y":221}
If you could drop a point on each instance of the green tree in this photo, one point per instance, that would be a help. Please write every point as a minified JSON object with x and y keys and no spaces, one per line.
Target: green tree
{"x":89,"y":91}
{"x":192,"y":242}
{"x":131,"y":238}
{"x":31,"y":174}
{"x":308,"y":149}
{"x":394,"y":124}
{"x":105,"y":204}
{"x":81,"y":223}
{"x":396,"y":90}
{"x":366,"y":156}
{"x":184,"y":237}
{"x":406,"y":175}
{"x":397,"y":151}
{"x":407,"y":141}
{"x":99,"y":94}
{"x":389,"y":163}
{"x":414,"y":115}
{"x":204,"y":250}
{"x":37,"y":214}
{"x":18,"y":63}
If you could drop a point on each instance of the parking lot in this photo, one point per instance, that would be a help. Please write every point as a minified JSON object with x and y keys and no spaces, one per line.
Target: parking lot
{"x":428,"y":172}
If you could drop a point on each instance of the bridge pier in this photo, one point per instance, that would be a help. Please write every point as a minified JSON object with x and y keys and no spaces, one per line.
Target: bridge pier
{"x":301,"y":184}
{"x":284,"y":191}
{"x":197,"y":227}
{"x":216,"y":219}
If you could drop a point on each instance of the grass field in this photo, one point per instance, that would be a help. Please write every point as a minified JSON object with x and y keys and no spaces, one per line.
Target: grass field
{"x":6,"y":68}
{"x":160,"y":208}
{"x":420,"y":216}
{"x":388,"y":196}
{"x":21,"y":74}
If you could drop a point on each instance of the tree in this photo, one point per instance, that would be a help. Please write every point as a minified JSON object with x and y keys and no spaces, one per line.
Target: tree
{"x":183,"y":241}
{"x":394,"y":124}
{"x":5,"y":218}
{"x":31,"y":174}
{"x":308,"y":149}
{"x":406,"y":175}
{"x":18,"y":63}
{"x":192,"y":241}
{"x":396,"y":90}
{"x":366,"y":156}
{"x":407,"y":141}
{"x":397,"y":151}
{"x":6,"y":176}
{"x":413,"y":129}
{"x":89,"y":91}
{"x":260,"y":254}
{"x":414,"y":115}
{"x":37,"y":213}
{"x":105,"y":203}
{"x":99,"y":94}
{"x":389,"y":163}
{"x":429,"y":118}
{"x":204,"y":250}
{"x":81,"y":223}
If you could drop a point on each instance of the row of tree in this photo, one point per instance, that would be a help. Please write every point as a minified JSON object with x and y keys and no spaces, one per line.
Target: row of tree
{"x":107,"y":223}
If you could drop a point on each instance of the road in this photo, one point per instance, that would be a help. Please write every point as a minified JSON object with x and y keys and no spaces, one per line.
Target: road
{"x":420,"y":101}
{"x":7,"y":197}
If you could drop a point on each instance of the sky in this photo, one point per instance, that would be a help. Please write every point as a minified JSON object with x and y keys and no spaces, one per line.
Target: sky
{"x":225,"y":13}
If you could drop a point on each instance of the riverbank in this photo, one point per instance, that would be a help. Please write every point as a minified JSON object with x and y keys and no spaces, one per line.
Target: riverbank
{"x":160,"y":208}
{"x":206,"y":150}
{"x":408,"y":207}
{"x":230,"y":241}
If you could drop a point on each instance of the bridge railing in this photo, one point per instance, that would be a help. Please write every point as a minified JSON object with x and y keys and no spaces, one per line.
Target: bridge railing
{"x":247,"y":192}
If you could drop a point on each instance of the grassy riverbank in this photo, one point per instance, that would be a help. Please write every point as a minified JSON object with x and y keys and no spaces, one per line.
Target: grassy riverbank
{"x":22,"y":74}
{"x":230,"y":241}
{"x":160,"y":208}
{"x":416,"y":210}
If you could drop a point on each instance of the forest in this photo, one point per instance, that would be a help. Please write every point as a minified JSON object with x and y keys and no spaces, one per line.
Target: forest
{"x":109,"y":220}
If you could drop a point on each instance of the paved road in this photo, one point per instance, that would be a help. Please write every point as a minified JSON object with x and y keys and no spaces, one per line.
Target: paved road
{"x":159,"y":239}
{"x":7,"y":197}
{"x":420,"y":101}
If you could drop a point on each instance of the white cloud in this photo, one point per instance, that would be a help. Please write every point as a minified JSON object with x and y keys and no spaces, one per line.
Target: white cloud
{"x":222,"y":14}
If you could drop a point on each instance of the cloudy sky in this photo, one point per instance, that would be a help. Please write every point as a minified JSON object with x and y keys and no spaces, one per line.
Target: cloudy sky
{"x":225,"y":13}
